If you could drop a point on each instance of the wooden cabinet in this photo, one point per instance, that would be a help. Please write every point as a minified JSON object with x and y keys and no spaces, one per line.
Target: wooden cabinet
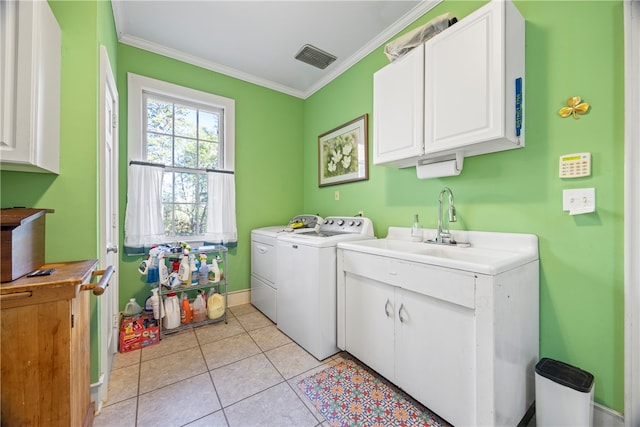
{"x":30,"y":81}
{"x":459,"y":93}
{"x":45,"y":348}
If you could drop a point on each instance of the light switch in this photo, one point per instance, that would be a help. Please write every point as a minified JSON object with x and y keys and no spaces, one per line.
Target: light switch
{"x":579,"y":200}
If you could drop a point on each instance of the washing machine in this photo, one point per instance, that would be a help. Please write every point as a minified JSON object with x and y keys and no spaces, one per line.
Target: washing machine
{"x":264,"y":285}
{"x":306,"y":272}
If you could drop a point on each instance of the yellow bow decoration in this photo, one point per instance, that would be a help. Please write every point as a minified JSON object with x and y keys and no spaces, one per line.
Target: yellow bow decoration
{"x":575,"y":107}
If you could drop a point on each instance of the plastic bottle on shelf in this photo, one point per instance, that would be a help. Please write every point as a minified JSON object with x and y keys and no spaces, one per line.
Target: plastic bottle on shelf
{"x":203,"y":272}
{"x":172,"y":311}
{"x":185,"y":310}
{"x":214,"y":271}
{"x":194,"y":270}
{"x":199,"y":309}
{"x":132,"y":308}
{"x":215,"y":305}
{"x":220,"y":265}
{"x":164,"y":271}
{"x":155,"y":303}
{"x":153,"y":272}
{"x":184,"y":272}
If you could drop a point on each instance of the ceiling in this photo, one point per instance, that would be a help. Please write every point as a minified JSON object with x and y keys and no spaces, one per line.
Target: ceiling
{"x":257,"y":41}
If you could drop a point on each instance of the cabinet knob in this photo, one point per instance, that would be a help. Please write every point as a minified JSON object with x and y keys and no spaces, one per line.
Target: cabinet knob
{"x":112,"y":248}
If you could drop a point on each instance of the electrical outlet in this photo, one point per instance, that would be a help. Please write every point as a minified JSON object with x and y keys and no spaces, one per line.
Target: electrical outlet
{"x":336,"y":195}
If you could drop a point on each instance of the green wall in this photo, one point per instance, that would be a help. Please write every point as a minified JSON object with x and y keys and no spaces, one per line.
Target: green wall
{"x":268,"y":165}
{"x":572,"y":48}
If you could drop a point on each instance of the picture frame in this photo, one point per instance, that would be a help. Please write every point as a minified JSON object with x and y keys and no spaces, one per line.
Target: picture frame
{"x":343,"y":153}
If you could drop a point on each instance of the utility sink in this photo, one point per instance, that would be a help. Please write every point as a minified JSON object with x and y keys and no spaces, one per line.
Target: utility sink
{"x":488,"y":253}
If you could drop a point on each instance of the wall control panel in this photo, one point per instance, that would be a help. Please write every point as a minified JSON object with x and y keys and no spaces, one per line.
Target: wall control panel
{"x":575,"y":165}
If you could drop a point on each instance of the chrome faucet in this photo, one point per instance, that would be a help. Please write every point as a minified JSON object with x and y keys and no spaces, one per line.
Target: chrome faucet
{"x":443,"y":236}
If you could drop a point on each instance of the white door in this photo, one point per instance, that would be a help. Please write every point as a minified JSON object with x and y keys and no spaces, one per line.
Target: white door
{"x":435,"y":354}
{"x":369,"y":323}
{"x":108,"y":216}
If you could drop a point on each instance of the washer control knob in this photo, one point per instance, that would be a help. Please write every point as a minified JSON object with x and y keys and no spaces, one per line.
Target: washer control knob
{"x":358,"y":223}
{"x":340,"y":222}
{"x":351,"y":223}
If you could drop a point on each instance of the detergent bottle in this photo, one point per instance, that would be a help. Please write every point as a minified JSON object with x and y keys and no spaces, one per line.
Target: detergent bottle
{"x":214,"y":271}
{"x":185,"y":310}
{"x":215,"y":305}
{"x":194,"y":270}
{"x":172,"y":311}
{"x":203,"y":272}
{"x":132,"y":308}
{"x":184,"y":272}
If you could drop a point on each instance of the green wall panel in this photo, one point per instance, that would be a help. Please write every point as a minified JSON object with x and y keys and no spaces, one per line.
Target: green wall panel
{"x":572,"y":48}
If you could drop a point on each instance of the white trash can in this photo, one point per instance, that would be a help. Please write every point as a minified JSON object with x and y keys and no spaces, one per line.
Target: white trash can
{"x":564,"y":395}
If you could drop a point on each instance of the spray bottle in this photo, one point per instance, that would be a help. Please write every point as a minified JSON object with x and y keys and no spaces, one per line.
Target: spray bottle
{"x":203,"y":273}
{"x":184,"y":272}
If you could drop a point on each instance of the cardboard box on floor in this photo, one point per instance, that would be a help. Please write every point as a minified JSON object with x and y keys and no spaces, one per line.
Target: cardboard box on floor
{"x":138,"y":331}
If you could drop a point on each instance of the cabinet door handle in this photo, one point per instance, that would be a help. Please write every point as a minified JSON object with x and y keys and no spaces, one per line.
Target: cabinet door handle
{"x":99,"y":288}
{"x":16,"y":295}
{"x":386,"y":308}
{"x":400,"y":313}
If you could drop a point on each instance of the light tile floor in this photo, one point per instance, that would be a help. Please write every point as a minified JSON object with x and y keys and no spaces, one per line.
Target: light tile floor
{"x":243,"y":373}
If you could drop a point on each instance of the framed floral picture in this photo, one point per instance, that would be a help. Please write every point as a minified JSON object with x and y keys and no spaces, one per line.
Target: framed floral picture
{"x":343,"y":153}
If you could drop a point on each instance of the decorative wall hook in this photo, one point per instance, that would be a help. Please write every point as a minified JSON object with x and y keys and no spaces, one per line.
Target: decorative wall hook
{"x":575,"y":107}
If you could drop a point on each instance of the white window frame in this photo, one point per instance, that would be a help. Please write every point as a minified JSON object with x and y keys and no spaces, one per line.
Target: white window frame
{"x":138,"y":84}
{"x":137,"y":149}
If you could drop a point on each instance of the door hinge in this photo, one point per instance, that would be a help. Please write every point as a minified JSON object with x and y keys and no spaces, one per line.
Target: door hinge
{"x":114,"y":120}
{"x":73,"y":318}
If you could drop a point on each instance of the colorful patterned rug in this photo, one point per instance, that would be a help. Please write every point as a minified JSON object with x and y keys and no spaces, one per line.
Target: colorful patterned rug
{"x":348,"y":394}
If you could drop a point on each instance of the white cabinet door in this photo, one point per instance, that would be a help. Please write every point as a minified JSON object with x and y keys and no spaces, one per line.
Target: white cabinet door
{"x":369,"y":323}
{"x":30,"y":113}
{"x":435,"y":355}
{"x":398,"y":111}
{"x":470,"y":83}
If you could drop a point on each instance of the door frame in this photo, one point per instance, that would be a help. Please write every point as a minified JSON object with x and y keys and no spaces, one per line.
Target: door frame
{"x":632,"y":213}
{"x":107,"y":83}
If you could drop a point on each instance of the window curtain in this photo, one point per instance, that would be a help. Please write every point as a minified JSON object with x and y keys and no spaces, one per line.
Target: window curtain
{"x":143,"y":222}
{"x":221,"y":208}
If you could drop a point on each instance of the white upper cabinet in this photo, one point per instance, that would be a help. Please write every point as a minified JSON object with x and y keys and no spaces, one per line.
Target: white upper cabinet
{"x":398,"y":98}
{"x":472,"y":92}
{"x":30,"y":83}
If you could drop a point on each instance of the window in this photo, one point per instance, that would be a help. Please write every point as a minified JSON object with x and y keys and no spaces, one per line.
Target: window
{"x":189,"y":132}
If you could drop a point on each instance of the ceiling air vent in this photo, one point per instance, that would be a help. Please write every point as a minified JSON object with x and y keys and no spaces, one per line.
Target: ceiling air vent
{"x":314,"y":56}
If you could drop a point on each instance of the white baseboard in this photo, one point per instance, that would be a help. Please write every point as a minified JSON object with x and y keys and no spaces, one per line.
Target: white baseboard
{"x":605,"y":417}
{"x":239,"y":297}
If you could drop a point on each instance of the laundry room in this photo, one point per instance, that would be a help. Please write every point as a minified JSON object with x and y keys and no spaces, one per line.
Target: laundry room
{"x":284,"y":175}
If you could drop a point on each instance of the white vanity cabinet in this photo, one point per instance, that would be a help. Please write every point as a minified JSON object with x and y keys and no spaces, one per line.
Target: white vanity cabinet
{"x":30,"y":83}
{"x":471,"y":92}
{"x":462,"y":342}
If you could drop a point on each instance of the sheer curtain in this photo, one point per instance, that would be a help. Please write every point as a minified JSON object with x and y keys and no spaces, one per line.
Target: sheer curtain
{"x":221,"y":208}
{"x":143,"y":223}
